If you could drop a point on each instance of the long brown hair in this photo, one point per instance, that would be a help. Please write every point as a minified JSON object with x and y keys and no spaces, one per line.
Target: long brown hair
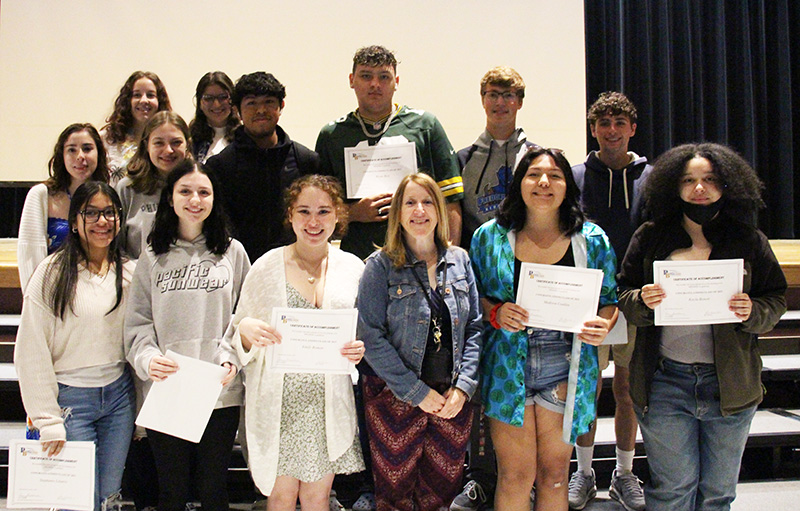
{"x":120,"y":122}
{"x":143,"y":174}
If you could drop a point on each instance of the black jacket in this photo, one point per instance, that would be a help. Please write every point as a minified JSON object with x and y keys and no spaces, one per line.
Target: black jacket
{"x":253,"y":182}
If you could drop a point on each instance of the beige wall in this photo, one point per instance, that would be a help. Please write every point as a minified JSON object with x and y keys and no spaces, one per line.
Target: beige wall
{"x":64,"y":61}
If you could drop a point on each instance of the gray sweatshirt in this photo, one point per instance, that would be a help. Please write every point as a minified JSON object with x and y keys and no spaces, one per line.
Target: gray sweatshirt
{"x":140,"y":211}
{"x":183,"y":301}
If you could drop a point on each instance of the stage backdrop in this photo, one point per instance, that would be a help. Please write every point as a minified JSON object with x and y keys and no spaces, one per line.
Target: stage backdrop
{"x":64,"y":62}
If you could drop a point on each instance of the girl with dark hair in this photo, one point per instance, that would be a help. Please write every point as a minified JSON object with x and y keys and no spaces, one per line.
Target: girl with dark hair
{"x":538,"y":386}
{"x":695,"y":388}
{"x":192,"y":266}
{"x":301,"y":427}
{"x":78,"y":156}
{"x":69,"y":354}
{"x":214,"y":118}
{"x":141,"y":96}
{"x":165,"y":143}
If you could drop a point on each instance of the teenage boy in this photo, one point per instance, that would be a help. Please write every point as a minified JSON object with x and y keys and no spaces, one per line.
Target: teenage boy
{"x":487,"y":167}
{"x":260,"y":163}
{"x":612,"y":181}
{"x":379,"y":121}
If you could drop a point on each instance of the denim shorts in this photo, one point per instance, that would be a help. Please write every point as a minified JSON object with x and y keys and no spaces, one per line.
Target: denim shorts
{"x":547,"y":367}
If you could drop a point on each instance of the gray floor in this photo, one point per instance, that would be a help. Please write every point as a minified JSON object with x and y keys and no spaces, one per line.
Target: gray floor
{"x":771,"y":496}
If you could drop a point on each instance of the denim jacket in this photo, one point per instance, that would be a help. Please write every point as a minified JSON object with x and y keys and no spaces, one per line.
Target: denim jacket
{"x":393,"y":320}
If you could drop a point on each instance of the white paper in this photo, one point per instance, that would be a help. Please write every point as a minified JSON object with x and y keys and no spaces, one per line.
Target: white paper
{"x":618,"y":334}
{"x":65,"y":481}
{"x":559,"y":297}
{"x":311,"y":340}
{"x":182,"y":404}
{"x":697,"y":292}
{"x":377,"y":169}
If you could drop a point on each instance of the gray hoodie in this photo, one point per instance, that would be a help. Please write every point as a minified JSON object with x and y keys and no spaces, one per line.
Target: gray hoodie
{"x":183,"y":300}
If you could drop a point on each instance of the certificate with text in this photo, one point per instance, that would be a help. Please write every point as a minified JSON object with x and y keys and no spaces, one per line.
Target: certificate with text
{"x":65,"y":481}
{"x":559,"y":297}
{"x":372,"y":170}
{"x":697,"y":292}
{"x":311,"y":340}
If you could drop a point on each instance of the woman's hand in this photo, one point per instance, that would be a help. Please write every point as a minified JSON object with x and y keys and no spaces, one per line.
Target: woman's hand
{"x":652,"y":295}
{"x":255,"y":332}
{"x":595,"y":331}
{"x":231,"y":373}
{"x":432,"y":403}
{"x":741,"y":305}
{"x":454,"y":401}
{"x":53,"y":447}
{"x":161,"y":367}
{"x":353,"y":351}
{"x":511,"y":317}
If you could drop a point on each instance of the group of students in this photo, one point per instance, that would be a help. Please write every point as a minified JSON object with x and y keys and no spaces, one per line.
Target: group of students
{"x":438,"y":326}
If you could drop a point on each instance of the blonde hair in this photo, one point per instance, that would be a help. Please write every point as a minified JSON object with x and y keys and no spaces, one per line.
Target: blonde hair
{"x":504,"y":76}
{"x":394,"y":248}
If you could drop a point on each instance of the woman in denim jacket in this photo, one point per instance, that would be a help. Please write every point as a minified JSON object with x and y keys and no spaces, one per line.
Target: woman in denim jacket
{"x":538,"y":385}
{"x":420,"y":321}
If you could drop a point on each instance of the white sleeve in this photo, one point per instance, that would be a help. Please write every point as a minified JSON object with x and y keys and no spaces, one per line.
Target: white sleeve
{"x":32,"y":238}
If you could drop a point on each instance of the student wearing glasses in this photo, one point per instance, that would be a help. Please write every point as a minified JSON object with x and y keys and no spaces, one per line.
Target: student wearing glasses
{"x":69,"y":355}
{"x":214,"y":118}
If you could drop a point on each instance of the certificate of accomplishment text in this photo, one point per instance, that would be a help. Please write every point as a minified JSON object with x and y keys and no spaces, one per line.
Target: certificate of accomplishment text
{"x":559,"y":297}
{"x":311,"y":340}
{"x":372,"y":170}
{"x":65,"y":481}
{"x":697,"y":292}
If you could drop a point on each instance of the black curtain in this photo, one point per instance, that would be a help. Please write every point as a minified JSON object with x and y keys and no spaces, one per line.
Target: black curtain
{"x":712,"y":70}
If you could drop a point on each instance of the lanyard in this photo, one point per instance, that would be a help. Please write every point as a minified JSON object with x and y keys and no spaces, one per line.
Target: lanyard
{"x":437,"y":321}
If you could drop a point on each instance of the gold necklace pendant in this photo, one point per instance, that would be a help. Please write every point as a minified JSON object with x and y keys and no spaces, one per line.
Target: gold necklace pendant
{"x":311,"y":280}
{"x":437,"y":334}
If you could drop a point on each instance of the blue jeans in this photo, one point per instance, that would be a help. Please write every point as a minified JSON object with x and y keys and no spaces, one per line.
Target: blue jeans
{"x":103,"y":415}
{"x":694,"y":453}
{"x":546,"y":368}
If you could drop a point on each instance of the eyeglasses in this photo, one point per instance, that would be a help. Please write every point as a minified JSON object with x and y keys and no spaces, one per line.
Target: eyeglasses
{"x":92,"y":215}
{"x":508,"y":96}
{"x":210,"y":98}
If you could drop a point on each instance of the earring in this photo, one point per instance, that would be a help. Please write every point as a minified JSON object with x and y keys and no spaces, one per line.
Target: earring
{"x":75,"y":230}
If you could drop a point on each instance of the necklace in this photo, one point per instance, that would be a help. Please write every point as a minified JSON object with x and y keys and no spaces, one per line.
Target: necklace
{"x":302,"y":263}
{"x":376,"y":125}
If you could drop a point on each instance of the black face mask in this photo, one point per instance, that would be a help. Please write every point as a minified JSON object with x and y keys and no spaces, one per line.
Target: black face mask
{"x":700,"y":213}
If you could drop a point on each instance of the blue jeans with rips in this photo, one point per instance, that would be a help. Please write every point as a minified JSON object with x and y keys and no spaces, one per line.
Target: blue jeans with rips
{"x":103,"y":415}
{"x":694,"y":453}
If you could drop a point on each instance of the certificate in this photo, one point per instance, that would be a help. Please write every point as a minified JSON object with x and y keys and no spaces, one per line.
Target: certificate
{"x":182,"y":404}
{"x":65,"y":481}
{"x":559,"y":297}
{"x":311,"y":340}
{"x":372,"y":170}
{"x":697,"y":292}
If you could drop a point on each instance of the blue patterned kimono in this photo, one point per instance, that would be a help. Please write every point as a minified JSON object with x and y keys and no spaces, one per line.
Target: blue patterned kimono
{"x":505,"y":353}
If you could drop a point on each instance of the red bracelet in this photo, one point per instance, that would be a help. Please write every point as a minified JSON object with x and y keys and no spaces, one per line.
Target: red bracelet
{"x":493,"y":316}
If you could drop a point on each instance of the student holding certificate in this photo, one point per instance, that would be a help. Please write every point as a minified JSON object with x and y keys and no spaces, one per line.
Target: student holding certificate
{"x":538,"y":385}
{"x":420,"y":320}
{"x":695,"y":388}
{"x":301,"y":427}
{"x":69,"y":354}
{"x":183,"y":294}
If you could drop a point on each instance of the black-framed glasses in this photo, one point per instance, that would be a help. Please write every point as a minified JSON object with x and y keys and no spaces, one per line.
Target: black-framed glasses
{"x":210,"y":98}
{"x":92,"y":215}
{"x":507,"y":96}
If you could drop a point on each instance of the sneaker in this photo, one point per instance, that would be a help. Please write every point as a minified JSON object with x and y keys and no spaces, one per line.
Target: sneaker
{"x":471,"y":498}
{"x":533,"y":498}
{"x":112,"y":503}
{"x":333,"y":502}
{"x":627,"y":490}
{"x":365,"y":502}
{"x":582,"y":489}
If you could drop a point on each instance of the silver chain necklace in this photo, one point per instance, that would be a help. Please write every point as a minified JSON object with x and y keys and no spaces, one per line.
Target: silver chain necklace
{"x":376,"y":125}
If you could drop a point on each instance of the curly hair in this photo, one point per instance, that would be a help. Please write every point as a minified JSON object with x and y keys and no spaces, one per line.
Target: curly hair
{"x":513,"y":212}
{"x":374,"y":56}
{"x":257,"y":84}
{"x":142,"y":172}
{"x":120,"y":122}
{"x":201,"y":132}
{"x":739,"y":183}
{"x":60,"y":178}
{"x":504,"y":76}
{"x":166,"y":225}
{"x":611,"y":103}
{"x":327,"y":184}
